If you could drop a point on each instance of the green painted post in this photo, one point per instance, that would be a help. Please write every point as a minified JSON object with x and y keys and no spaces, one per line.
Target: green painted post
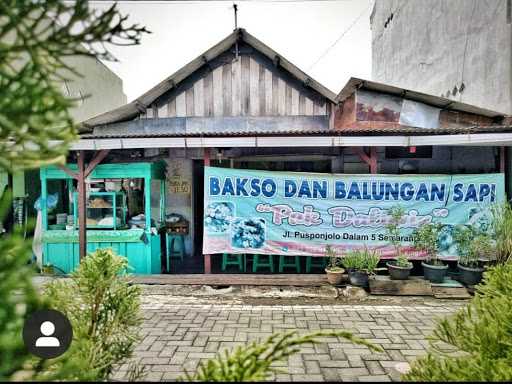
{"x":162,"y":201}
{"x":147,"y":202}
{"x":44,"y":195}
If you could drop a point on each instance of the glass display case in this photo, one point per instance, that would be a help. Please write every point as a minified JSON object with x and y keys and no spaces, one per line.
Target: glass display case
{"x":104,"y":210}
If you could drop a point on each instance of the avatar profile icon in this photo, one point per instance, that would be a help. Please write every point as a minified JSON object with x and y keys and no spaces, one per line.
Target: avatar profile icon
{"x":47,"y":333}
{"x":47,"y":329}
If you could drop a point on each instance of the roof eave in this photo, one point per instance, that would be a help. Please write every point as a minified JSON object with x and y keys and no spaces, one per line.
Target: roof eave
{"x":355,"y":83}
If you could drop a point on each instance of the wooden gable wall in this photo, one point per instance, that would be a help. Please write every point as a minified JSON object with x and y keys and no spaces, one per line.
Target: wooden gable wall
{"x":251,"y":85}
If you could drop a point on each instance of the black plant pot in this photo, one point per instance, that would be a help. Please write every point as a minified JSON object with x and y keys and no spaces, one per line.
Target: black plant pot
{"x":398,"y":273}
{"x":470,"y":276}
{"x":434,"y":273}
{"x":358,"y":278}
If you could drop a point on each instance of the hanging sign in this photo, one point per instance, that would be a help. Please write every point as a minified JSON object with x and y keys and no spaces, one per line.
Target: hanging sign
{"x":178,"y":185}
{"x":290,"y":213}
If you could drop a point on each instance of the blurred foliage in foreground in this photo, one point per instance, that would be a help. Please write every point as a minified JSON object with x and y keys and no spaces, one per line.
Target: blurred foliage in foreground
{"x":476,"y":343}
{"x":103,"y":309}
{"x":35,"y":124}
{"x":36,"y":37}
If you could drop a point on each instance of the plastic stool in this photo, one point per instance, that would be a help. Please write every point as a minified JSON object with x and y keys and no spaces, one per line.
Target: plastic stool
{"x":320,"y":262}
{"x":258,"y":263}
{"x":283,"y":263}
{"x":175,"y":246}
{"x":237,"y":260}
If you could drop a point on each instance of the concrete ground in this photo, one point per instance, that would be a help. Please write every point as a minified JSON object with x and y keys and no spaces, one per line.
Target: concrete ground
{"x":179,"y":332}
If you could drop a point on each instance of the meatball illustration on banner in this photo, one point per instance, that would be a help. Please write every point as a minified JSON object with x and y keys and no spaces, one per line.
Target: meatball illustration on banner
{"x":446,"y":242}
{"x":218,"y":216}
{"x":479,"y":219}
{"x":248,"y":233}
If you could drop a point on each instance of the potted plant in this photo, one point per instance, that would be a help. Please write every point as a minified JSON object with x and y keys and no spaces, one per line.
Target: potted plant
{"x":472,"y":247}
{"x":425,"y":238}
{"x":400,"y":268}
{"x":333,"y":269}
{"x":360,"y":263}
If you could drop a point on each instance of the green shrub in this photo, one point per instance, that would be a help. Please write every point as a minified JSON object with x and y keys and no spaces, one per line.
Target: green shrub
{"x":426,"y":239}
{"x":402,"y":261}
{"x":253,"y":362}
{"x":363,"y":259}
{"x":479,"y":337}
{"x":393,"y":229}
{"x":104,"y":311}
{"x":472,"y":245}
{"x":334,"y":261}
{"x":501,"y":229}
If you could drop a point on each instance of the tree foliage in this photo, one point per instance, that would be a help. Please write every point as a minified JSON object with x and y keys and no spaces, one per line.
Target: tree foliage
{"x":103,"y":309}
{"x":17,"y":298}
{"x":476,"y":343}
{"x":36,"y":36}
{"x":254,"y":361}
{"x":501,"y":229}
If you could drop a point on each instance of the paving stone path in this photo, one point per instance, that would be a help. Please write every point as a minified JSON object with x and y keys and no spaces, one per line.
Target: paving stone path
{"x":179,"y":336}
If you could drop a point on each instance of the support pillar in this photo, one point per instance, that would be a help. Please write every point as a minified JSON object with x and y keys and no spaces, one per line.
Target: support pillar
{"x":80,"y":177}
{"x":502,"y":159}
{"x":82,"y":221}
{"x":207,"y":258}
{"x":370,"y":160}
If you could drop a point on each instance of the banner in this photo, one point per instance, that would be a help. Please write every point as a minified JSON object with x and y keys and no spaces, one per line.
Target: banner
{"x":291,"y":213}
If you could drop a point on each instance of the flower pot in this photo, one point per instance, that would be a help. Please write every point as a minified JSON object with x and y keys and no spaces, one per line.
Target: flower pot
{"x":335,"y":277}
{"x":398,"y":273}
{"x":470,"y":276}
{"x":434,"y":273}
{"x":358,"y":278}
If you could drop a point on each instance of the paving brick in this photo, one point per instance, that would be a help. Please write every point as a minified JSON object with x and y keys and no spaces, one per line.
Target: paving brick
{"x":374,"y":378}
{"x":375,"y":367}
{"x":172,"y":376}
{"x":312,"y":367}
{"x":179,"y":336}
{"x":154,"y":360}
{"x":307,"y":378}
{"x":353,"y":372}
{"x":167,"y":351}
{"x":334,"y":364}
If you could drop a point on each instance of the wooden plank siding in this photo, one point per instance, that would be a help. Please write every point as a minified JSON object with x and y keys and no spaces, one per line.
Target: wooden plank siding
{"x":240,"y":87}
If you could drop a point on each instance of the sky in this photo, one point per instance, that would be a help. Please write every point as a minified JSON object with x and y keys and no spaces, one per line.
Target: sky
{"x":328,"y":39}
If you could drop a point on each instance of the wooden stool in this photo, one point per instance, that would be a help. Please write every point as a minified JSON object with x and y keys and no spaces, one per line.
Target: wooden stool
{"x":320,"y":262}
{"x":258,"y":263}
{"x":284,"y":264}
{"x":237,"y":260}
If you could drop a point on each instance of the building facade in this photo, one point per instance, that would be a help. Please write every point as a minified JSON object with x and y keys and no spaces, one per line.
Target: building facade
{"x":240,"y":108}
{"x":458,"y":49}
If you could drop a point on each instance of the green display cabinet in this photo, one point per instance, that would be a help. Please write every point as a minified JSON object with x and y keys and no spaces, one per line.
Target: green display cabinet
{"x":104,"y":210}
{"x":141,"y":246}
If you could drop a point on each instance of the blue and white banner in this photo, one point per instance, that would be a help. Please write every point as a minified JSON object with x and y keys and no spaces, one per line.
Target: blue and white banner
{"x":287,"y":213}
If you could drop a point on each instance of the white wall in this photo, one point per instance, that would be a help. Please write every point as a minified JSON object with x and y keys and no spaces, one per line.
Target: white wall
{"x":98,"y":90}
{"x":435,"y":45}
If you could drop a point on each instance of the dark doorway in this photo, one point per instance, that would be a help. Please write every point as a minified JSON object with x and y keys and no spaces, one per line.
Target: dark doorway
{"x":198,"y":205}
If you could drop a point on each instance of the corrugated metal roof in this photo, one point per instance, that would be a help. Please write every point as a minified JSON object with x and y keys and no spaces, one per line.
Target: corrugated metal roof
{"x":314,"y":131}
{"x":213,"y":126}
{"x":440,"y":102}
